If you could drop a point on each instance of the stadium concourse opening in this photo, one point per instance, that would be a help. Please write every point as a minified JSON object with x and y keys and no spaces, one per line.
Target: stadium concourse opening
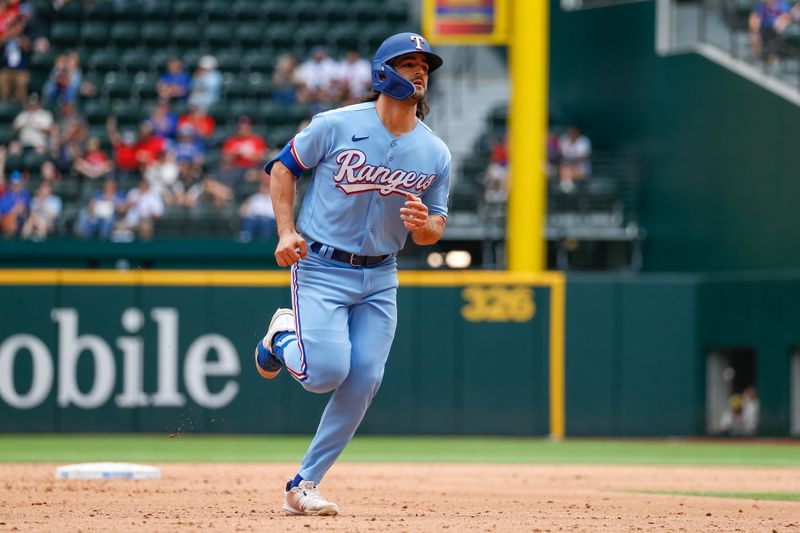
{"x":794,"y":390}
{"x":732,"y":407}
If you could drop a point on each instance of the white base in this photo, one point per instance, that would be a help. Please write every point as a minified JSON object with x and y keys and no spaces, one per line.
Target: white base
{"x":107,"y":471}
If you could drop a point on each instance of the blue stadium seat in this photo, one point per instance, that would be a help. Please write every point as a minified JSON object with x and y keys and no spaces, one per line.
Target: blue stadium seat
{"x":187,"y":11}
{"x":280,"y":37}
{"x":186,"y":34}
{"x":130,"y":10}
{"x":259,"y":60}
{"x":305,"y":11}
{"x":314,"y":34}
{"x":158,"y":11}
{"x":246,"y":10}
{"x":64,"y":33}
{"x":156,"y":34}
{"x":117,"y":84}
{"x":250,"y":34}
{"x":135,"y":60}
{"x":230,"y":59}
{"x":124,"y":34}
{"x":96,"y":111}
{"x":104,"y":60}
{"x":144,"y":86}
{"x":274,"y":12}
{"x":220,"y":34}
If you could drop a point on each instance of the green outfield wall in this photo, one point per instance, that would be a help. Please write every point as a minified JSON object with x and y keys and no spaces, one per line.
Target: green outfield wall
{"x":175,"y":355}
{"x":125,"y":353}
{"x":717,"y":152}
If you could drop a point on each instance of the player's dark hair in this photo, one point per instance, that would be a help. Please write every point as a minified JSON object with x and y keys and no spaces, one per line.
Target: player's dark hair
{"x":422,"y":106}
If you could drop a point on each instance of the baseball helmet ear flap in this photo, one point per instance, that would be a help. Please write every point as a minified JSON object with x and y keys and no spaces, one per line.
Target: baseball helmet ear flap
{"x":384,"y":78}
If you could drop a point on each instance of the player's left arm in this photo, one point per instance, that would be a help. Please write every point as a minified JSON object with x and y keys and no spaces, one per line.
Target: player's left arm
{"x":425,"y":217}
{"x":425,"y":228}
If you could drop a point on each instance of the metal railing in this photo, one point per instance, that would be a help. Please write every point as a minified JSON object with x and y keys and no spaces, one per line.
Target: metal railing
{"x":725,"y":24}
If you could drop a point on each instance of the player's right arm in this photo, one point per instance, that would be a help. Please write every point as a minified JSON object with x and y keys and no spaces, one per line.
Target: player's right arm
{"x":301,"y":153}
{"x":291,"y":245}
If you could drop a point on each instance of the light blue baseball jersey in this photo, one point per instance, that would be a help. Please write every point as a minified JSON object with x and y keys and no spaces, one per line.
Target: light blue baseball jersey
{"x":361,"y":174}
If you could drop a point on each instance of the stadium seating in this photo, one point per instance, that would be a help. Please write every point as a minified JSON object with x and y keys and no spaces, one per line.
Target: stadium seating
{"x":125,"y":45}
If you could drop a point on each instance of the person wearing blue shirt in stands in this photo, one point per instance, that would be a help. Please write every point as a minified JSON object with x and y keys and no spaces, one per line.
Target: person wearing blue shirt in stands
{"x":14,"y":206}
{"x":175,"y":83}
{"x":768,"y":22}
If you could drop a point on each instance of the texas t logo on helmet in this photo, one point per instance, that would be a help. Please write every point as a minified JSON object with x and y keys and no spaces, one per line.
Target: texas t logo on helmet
{"x":385,"y":79}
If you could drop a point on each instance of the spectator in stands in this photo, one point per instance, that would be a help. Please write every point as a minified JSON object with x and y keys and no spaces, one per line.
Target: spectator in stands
{"x":49,"y":172}
{"x":575,"y":152}
{"x":33,"y":28}
{"x":164,"y":121}
{"x":175,"y":83}
{"x":142,"y":206}
{"x":221,"y":185}
{"x":126,"y":163}
{"x":258,"y":218}
{"x":495,"y":179}
{"x":64,"y":82}
{"x":553,"y":153}
{"x":202,"y":122}
{"x":43,"y":218}
{"x":318,"y":78}
{"x":768,"y":22}
{"x":355,"y":77}
{"x":3,"y":157}
{"x":188,"y":150}
{"x":149,"y":147}
{"x":163,"y":175}
{"x":247,"y":149}
{"x":285,"y":80}
{"x":94,"y":164}
{"x":16,"y":46}
{"x":34,"y":127}
{"x":206,"y":84}
{"x":189,"y":187}
{"x":741,"y":416}
{"x":97,"y":219}
{"x":70,"y":136}
{"x":14,"y":205}
{"x":7,"y":16}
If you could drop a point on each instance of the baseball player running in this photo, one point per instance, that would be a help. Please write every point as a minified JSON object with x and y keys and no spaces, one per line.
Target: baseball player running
{"x":379,"y":173}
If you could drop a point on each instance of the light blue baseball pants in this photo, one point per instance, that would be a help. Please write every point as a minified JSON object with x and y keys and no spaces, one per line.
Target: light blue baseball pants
{"x":345,"y":318}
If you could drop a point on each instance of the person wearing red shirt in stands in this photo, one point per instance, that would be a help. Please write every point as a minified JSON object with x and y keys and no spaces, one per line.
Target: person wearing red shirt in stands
{"x":202,"y":123}
{"x":94,"y":164}
{"x":149,"y":147}
{"x":247,"y":149}
{"x":125,"y":162}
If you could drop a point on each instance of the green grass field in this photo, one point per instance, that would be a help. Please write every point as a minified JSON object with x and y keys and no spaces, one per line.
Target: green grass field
{"x":196,"y":448}
{"x":774,"y":496}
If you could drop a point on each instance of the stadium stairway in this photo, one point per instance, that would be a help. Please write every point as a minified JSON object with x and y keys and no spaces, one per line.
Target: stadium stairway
{"x":463,"y":95}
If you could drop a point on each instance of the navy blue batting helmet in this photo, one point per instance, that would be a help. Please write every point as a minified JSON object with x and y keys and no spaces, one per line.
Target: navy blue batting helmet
{"x":385,"y":79}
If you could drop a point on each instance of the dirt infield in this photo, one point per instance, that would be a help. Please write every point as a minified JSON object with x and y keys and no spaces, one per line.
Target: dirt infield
{"x":402,"y":497}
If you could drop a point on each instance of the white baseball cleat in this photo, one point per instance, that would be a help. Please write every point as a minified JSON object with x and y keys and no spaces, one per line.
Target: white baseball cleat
{"x":282,"y":320}
{"x":266,"y":362}
{"x":305,"y":499}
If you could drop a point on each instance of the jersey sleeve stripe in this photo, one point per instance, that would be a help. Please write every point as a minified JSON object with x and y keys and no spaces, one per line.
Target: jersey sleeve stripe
{"x":297,"y":157}
{"x":286,"y":157}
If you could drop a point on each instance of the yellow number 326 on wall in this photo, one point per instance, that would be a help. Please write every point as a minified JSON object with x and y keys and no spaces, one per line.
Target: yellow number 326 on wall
{"x":498,"y":304}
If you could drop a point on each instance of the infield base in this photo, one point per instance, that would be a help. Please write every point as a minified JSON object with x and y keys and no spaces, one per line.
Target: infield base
{"x":107,"y":471}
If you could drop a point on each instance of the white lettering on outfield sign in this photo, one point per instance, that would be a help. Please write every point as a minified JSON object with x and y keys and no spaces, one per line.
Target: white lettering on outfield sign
{"x":71,"y":345}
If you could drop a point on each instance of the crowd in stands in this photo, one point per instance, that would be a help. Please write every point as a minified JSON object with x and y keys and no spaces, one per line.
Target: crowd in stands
{"x":568,"y":162}
{"x":768,"y":22}
{"x":128,"y":178}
